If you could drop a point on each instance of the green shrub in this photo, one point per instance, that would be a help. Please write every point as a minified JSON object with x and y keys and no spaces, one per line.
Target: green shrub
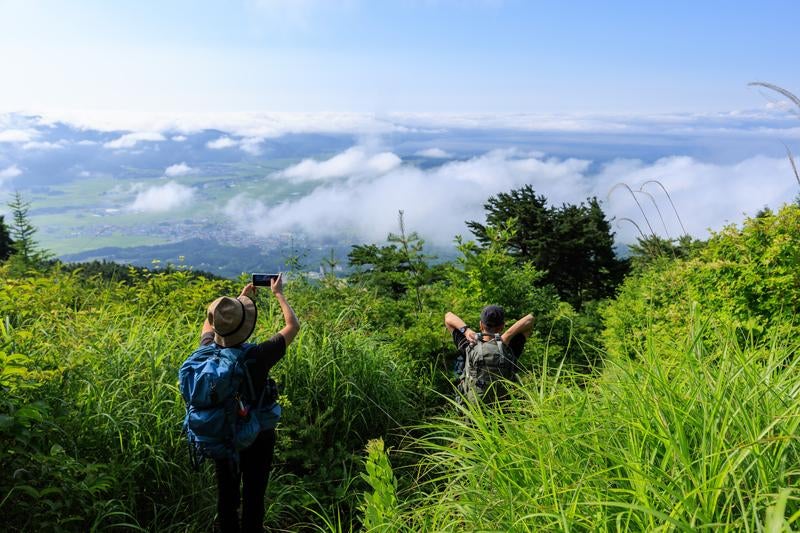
{"x":744,"y":278}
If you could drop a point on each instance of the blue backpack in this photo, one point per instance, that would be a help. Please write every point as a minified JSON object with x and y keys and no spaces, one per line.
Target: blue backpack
{"x":222,"y":413}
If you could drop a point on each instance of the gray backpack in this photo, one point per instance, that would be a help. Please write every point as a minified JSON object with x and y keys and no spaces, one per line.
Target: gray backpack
{"x":488,"y":366}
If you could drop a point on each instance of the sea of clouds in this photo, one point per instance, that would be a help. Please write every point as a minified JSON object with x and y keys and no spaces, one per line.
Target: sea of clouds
{"x":441,"y":169}
{"x":353,"y":194}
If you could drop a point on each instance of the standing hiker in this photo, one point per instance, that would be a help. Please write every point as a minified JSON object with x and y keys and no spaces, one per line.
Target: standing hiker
{"x":242,"y":397}
{"x":490,"y":354}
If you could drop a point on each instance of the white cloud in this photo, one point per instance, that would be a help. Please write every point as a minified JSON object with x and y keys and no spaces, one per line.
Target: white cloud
{"x":760,"y":123}
{"x":43,"y":145}
{"x":161,"y":198}
{"x":438,"y":201}
{"x":87,"y":142}
{"x":251,"y":145}
{"x":706,"y":195}
{"x":354,"y":162}
{"x":221,"y":143}
{"x":180,"y":169}
{"x":179,"y":138}
{"x":9,"y":173}
{"x":129,"y":140}
{"x":263,"y":125}
{"x":434,"y":153}
{"x":18,"y":135}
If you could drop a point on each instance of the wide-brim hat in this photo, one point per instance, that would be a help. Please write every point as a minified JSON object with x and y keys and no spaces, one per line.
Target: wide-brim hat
{"x":233,"y":319}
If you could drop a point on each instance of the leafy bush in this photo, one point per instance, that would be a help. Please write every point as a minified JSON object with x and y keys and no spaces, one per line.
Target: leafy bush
{"x":744,"y":278}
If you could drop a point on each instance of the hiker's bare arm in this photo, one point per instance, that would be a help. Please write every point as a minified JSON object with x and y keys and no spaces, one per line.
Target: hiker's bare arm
{"x":524,"y":325}
{"x":292,"y":326}
{"x":250,"y":291}
{"x":206,"y":328}
{"x":453,"y":322}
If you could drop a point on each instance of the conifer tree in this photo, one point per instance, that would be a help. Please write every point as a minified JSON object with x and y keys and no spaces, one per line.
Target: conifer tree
{"x":22,"y":231}
{"x":26,"y":251}
{"x":572,"y":244}
{"x":395,"y":268}
{"x":6,"y":244}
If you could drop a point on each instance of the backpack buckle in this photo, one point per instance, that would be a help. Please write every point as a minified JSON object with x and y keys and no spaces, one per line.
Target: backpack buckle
{"x":244,"y":410}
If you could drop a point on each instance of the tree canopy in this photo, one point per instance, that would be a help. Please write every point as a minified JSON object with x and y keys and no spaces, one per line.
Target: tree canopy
{"x":395,"y":268}
{"x":572,"y":244}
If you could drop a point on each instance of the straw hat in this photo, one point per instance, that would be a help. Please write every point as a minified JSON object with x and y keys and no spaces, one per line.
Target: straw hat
{"x":233,"y":319}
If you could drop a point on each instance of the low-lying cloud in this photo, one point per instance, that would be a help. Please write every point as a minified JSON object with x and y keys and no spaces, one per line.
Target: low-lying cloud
{"x":130,"y":140}
{"x":18,"y":135}
{"x":9,"y":173}
{"x":179,"y":169}
{"x":44,"y":145}
{"x":354,"y":162}
{"x":766,"y":121}
{"x":434,"y":153}
{"x":250,"y":145}
{"x":221,"y":143}
{"x":162,"y":198}
{"x":438,"y":201}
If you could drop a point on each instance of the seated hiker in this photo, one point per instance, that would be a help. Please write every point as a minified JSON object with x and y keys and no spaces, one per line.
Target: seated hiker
{"x":490,"y":355}
{"x":230,"y":323}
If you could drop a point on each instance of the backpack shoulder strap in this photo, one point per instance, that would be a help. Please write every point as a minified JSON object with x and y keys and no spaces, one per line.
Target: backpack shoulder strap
{"x":205,"y":349}
{"x":238,"y":354}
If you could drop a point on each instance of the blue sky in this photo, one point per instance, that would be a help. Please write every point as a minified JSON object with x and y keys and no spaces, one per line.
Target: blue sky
{"x":370,"y":97}
{"x":404,"y":55}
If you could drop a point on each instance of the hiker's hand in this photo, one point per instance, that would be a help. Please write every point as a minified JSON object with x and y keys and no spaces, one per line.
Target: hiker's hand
{"x":471,"y":336}
{"x":277,"y":284}
{"x":249,"y":291}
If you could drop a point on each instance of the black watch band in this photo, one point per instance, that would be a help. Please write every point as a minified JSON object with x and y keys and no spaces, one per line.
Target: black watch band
{"x":463,"y":329}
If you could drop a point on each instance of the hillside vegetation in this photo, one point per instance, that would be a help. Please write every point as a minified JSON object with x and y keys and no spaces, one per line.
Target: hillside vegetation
{"x":674,"y":405}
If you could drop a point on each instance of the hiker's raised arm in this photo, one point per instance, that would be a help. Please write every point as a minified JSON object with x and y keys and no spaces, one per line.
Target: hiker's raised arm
{"x":453,"y":322}
{"x":524,"y":326}
{"x":250,"y":291}
{"x":206,"y":328}
{"x":289,"y":331}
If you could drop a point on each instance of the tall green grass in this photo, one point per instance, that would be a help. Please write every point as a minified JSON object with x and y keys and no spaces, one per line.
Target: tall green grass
{"x":688,"y":424}
{"x":93,"y":415}
{"x":695,"y":441}
{"x":90,"y":416}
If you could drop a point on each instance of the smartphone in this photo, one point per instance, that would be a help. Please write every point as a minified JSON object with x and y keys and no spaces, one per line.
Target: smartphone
{"x":264,"y":280}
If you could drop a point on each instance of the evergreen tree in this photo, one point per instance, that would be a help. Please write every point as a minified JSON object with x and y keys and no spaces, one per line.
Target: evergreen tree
{"x":572,"y":244}
{"x":26,"y":250}
{"x":396,"y":268}
{"x":6,"y":243}
{"x":534,"y":222}
{"x":22,"y":231}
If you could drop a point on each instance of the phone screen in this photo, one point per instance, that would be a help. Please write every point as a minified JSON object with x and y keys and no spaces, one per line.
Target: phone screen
{"x":263,"y":280}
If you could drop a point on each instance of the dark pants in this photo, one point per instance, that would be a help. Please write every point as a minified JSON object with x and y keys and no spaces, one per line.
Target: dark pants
{"x":255,"y":462}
